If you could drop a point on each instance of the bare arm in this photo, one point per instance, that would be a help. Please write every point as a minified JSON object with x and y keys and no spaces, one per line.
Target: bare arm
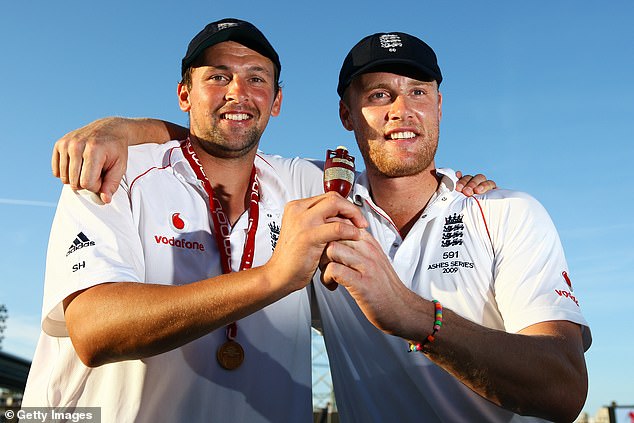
{"x":121,"y":321}
{"x":94,"y":157}
{"x":540,"y":371}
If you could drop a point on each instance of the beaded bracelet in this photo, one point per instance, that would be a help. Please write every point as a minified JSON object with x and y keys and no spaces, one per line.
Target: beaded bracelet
{"x":437,"y":324}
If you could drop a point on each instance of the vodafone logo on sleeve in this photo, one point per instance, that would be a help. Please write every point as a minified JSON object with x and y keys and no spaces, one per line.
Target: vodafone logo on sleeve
{"x":567,"y":294}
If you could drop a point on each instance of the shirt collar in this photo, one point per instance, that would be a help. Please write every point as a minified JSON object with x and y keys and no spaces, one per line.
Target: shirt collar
{"x":361,"y":190}
{"x":271,"y":186}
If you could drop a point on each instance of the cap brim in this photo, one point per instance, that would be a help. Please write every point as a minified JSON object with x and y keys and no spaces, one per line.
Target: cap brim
{"x":385,"y":64}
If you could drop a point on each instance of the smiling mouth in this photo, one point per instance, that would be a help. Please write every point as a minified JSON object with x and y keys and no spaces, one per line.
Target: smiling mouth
{"x":236,"y":116}
{"x":406,"y":135}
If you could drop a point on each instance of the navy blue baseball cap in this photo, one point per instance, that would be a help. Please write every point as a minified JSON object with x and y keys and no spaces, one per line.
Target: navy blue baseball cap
{"x":383,"y":50}
{"x":230,"y":29}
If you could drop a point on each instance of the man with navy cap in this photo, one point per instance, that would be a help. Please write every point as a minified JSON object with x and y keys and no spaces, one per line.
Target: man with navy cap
{"x":455,"y":309}
{"x":182,"y":300}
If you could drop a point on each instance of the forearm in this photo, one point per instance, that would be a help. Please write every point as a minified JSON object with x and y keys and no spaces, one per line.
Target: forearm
{"x":144,"y":130}
{"x":122,"y":321}
{"x":539,"y":372}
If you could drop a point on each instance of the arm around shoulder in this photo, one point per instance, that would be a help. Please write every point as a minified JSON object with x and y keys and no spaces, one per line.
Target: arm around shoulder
{"x":94,"y":157}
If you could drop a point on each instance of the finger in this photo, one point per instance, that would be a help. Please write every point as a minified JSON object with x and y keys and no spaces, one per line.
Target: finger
{"x":346,"y":252}
{"x":330,"y":284}
{"x":338,"y":219}
{"x":462,"y":180}
{"x":332,"y":204}
{"x":335,"y":231}
{"x":55,"y":162}
{"x":466,"y":190}
{"x":324,"y":208}
{"x":353,"y":254}
{"x":63,"y":167}
{"x":337,"y":274}
{"x":90,"y":176}
{"x":324,"y":261}
{"x":476,"y":180}
{"x":111,"y":181}
{"x":74,"y":166}
{"x":479,"y":184}
{"x":485,"y":186}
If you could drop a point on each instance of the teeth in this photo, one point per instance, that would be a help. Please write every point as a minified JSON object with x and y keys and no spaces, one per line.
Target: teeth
{"x":236,"y":116}
{"x":402,"y":135}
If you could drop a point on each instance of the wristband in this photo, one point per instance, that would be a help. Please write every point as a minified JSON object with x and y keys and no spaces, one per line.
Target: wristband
{"x":432,"y":336}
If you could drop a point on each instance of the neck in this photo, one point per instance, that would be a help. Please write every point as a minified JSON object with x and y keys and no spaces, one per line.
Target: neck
{"x":403,"y":198}
{"x":230,"y":179}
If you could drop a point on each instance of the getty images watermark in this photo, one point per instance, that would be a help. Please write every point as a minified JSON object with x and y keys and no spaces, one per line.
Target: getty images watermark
{"x":53,"y":415}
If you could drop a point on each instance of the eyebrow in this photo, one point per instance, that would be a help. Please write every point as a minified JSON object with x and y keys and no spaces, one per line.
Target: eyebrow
{"x":386,"y":86}
{"x":254,"y":68}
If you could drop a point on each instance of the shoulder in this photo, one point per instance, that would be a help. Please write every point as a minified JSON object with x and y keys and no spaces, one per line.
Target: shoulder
{"x":505,"y":199}
{"x":295,"y":164}
{"x":144,"y":157}
{"x":512,"y":210}
{"x":300,"y":176}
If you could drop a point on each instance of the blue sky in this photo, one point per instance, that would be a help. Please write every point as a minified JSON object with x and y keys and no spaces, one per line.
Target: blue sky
{"x":537,"y":95}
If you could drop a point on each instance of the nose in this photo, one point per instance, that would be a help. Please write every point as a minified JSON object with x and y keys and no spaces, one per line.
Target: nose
{"x":236,"y":90}
{"x":400,"y":109}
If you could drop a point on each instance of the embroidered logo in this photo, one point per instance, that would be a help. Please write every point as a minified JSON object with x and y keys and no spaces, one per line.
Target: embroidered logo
{"x":81,"y":241}
{"x":225,"y":25}
{"x":390,"y":42}
{"x":274,"y":229}
{"x":452,"y":232}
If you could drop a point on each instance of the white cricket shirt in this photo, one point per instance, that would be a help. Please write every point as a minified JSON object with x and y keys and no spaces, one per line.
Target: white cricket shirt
{"x":495,"y":259}
{"x":158,"y":230}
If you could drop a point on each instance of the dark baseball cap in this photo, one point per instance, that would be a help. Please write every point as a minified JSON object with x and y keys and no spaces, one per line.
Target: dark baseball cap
{"x":230,"y":29}
{"x":381,"y":50}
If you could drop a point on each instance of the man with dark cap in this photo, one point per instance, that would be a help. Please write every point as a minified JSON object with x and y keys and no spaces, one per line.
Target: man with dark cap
{"x":352,"y":406}
{"x":182,"y":300}
{"x":476,"y":316}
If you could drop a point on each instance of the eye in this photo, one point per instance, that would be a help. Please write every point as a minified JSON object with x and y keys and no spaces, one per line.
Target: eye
{"x":419,"y":91}
{"x":217,"y":79}
{"x":379,"y":95}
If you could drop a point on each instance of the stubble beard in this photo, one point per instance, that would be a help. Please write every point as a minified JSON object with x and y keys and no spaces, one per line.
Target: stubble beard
{"x":389,"y":162}
{"x":228,"y":144}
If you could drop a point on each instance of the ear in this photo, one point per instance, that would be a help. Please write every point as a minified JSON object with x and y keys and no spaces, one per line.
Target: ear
{"x":344,"y":115}
{"x":183,"y":97}
{"x":439,"y":106}
{"x":277,"y":103}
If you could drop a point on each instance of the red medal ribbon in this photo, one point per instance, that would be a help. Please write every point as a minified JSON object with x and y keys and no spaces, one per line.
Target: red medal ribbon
{"x":220,"y":220}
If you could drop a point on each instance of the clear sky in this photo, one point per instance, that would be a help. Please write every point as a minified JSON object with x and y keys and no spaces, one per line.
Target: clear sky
{"x":538,"y":95}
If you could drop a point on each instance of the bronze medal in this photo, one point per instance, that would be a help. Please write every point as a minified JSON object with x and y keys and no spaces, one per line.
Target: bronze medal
{"x":230,"y":355}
